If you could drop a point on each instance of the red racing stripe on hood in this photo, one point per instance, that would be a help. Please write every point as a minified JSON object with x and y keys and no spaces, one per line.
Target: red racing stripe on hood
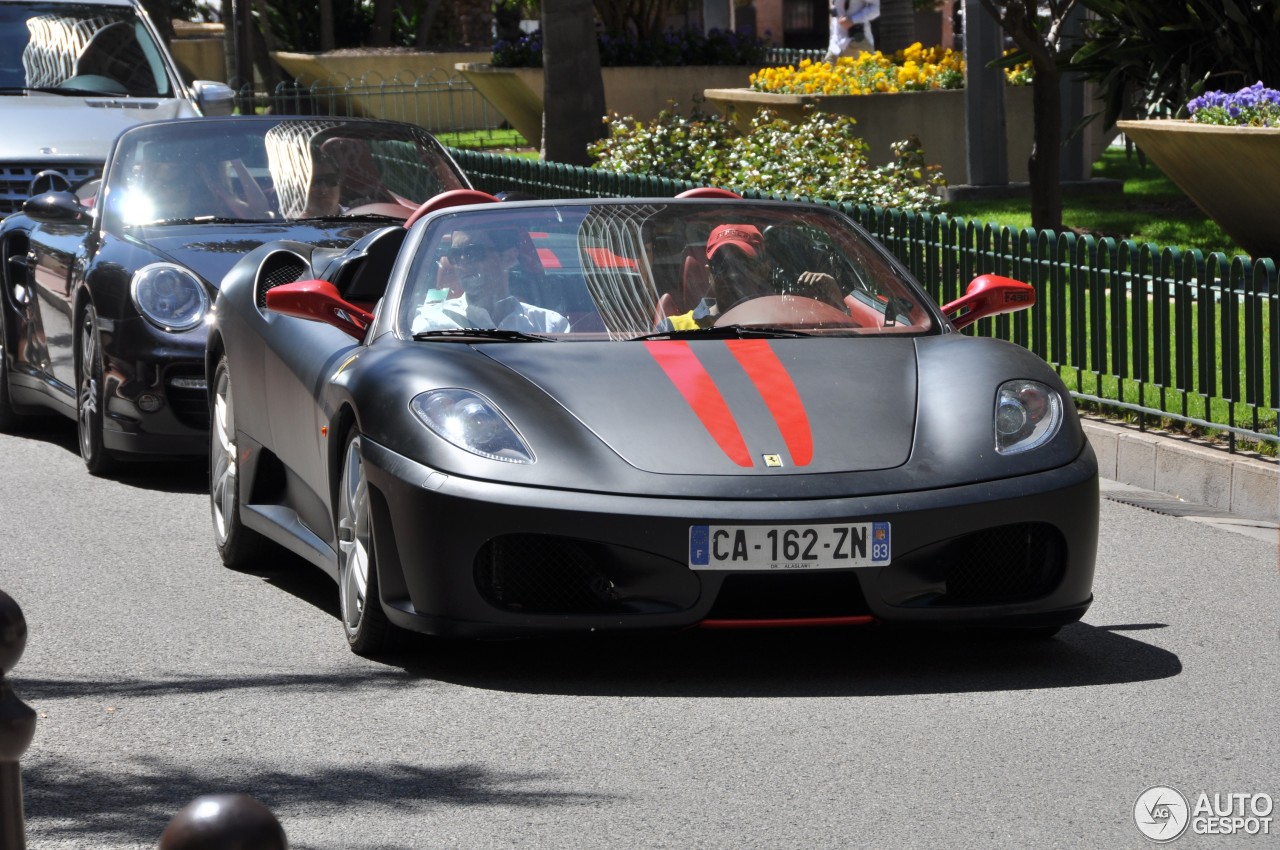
{"x":779,"y":393}
{"x":684,"y":369}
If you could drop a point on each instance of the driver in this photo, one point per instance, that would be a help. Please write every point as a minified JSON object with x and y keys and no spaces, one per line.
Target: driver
{"x":739,"y":271}
{"x":483,"y":260}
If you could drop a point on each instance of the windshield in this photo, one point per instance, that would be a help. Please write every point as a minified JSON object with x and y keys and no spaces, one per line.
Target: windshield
{"x":79,"y":49}
{"x":251,"y":169}
{"x":679,"y":270}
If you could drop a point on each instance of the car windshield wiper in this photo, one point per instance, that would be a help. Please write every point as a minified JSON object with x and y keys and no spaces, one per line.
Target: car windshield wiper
{"x":199,"y":219}
{"x":491,"y":334}
{"x":71,"y":91}
{"x":727,"y":332}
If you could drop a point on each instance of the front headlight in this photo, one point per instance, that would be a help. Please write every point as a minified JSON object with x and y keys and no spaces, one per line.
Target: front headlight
{"x":169,"y":296}
{"x":471,"y":422}
{"x":1028,"y":414}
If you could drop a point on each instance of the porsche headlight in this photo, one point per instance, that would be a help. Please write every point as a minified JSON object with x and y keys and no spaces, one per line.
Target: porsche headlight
{"x":1028,"y":414}
{"x":169,"y":296}
{"x":471,"y":422}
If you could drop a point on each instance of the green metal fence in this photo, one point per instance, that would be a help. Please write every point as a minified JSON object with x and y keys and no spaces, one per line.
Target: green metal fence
{"x":1149,"y":330}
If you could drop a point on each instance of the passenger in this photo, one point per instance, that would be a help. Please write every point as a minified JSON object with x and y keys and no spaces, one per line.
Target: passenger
{"x":482,"y":261}
{"x":324,"y":192}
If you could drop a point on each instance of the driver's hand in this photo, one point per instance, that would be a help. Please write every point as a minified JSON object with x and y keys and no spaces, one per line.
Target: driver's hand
{"x":819,"y":281}
{"x":820,"y":286}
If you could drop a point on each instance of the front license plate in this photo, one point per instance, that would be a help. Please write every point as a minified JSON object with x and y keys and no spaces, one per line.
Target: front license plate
{"x":789,"y":547}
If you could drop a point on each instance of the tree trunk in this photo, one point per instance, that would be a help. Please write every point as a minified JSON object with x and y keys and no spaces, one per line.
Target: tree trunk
{"x":227,"y":10}
{"x":1046,"y":151}
{"x":383,"y":12}
{"x":896,"y":26}
{"x":573,"y":88}
{"x":422,"y":38}
{"x":263,"y":46}
{"x":327,"y":41}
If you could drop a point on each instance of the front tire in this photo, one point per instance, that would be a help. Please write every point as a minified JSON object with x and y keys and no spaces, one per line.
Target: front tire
{"x":366,"y":625}
{"x":91,"y":396}
{"x":10,"y":419}
{"x":237,"y":546}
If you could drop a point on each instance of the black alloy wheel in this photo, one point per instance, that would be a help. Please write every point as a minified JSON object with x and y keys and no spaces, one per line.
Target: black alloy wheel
{"x":91,"y":395}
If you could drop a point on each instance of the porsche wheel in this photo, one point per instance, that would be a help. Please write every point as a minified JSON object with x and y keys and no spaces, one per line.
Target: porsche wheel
{"x":365,"y":623}
{"x":237,"y":546}
{"x":91,"y":396}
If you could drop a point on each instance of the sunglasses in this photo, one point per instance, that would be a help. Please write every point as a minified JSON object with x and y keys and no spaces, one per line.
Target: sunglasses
{"x":470,"y":254}
{"x":329,"y":180}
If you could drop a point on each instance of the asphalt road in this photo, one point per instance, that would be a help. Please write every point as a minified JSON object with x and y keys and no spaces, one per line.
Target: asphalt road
{"x":158,"y":676}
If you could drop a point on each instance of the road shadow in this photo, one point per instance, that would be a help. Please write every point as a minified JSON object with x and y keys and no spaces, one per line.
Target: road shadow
{"x":185,"y":474}
{"x":869,"y":661}
{"x":71,"y":801}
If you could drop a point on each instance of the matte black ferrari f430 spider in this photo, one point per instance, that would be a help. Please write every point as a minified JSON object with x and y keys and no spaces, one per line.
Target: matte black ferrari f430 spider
{"x":538,"y":417}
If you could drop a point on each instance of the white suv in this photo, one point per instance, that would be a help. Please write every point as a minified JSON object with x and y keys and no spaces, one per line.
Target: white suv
{"x":73,"y":74}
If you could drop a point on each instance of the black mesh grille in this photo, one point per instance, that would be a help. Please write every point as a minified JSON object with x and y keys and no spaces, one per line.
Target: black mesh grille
{"x":1007,"y":564}
{"x":190,"y":403}
{"x":771,"y":596}
{"x":276,"y":270}
{"x":543,"y":574}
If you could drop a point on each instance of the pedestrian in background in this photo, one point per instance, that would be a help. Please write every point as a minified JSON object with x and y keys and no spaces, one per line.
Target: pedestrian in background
{"x":851,"y":27}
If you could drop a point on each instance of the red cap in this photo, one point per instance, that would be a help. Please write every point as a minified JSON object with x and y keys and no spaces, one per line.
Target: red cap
{"x":746,"y":237}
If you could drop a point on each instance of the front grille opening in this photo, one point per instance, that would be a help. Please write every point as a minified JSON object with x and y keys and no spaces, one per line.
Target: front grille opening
{"x":278,"y":269}
{"x":1012,"y":563}
{"x":550,"y":574}
{"x":188,"y":396}
{"x":790,"y":595}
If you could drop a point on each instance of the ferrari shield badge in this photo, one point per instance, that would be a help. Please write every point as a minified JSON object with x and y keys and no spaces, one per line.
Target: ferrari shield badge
{"x":773,"y":460}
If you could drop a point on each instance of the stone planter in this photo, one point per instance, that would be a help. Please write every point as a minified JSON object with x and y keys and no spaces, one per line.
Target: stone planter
{"x":935,"y":117}
{"x":641,"y":92}
{"x":1232,"y":173}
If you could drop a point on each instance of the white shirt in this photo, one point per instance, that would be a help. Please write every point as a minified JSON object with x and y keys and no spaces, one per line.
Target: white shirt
{"x":518,"y":316}
{"x":859,"y":12}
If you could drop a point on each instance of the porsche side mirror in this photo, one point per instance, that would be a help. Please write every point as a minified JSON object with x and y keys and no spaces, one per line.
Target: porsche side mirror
{"x":989,"y":295}
{"x":319,"y":301}
{"x":57,"y":208}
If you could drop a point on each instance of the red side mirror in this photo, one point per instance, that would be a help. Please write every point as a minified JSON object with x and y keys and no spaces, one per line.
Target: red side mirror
{"x":989,"y":295}
{"x":319,"y":301}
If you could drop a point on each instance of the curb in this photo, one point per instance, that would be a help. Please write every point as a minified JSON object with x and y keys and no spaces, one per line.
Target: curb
{"x":1186,"y":470}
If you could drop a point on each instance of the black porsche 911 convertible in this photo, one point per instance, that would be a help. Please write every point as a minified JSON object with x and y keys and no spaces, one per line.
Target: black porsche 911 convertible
{"x":537,"y":417}
{"x":105,"y":293}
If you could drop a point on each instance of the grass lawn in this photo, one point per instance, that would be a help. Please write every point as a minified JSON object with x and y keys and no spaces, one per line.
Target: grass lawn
{"x":1150,"y":209}
{"x":504,"y":140}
